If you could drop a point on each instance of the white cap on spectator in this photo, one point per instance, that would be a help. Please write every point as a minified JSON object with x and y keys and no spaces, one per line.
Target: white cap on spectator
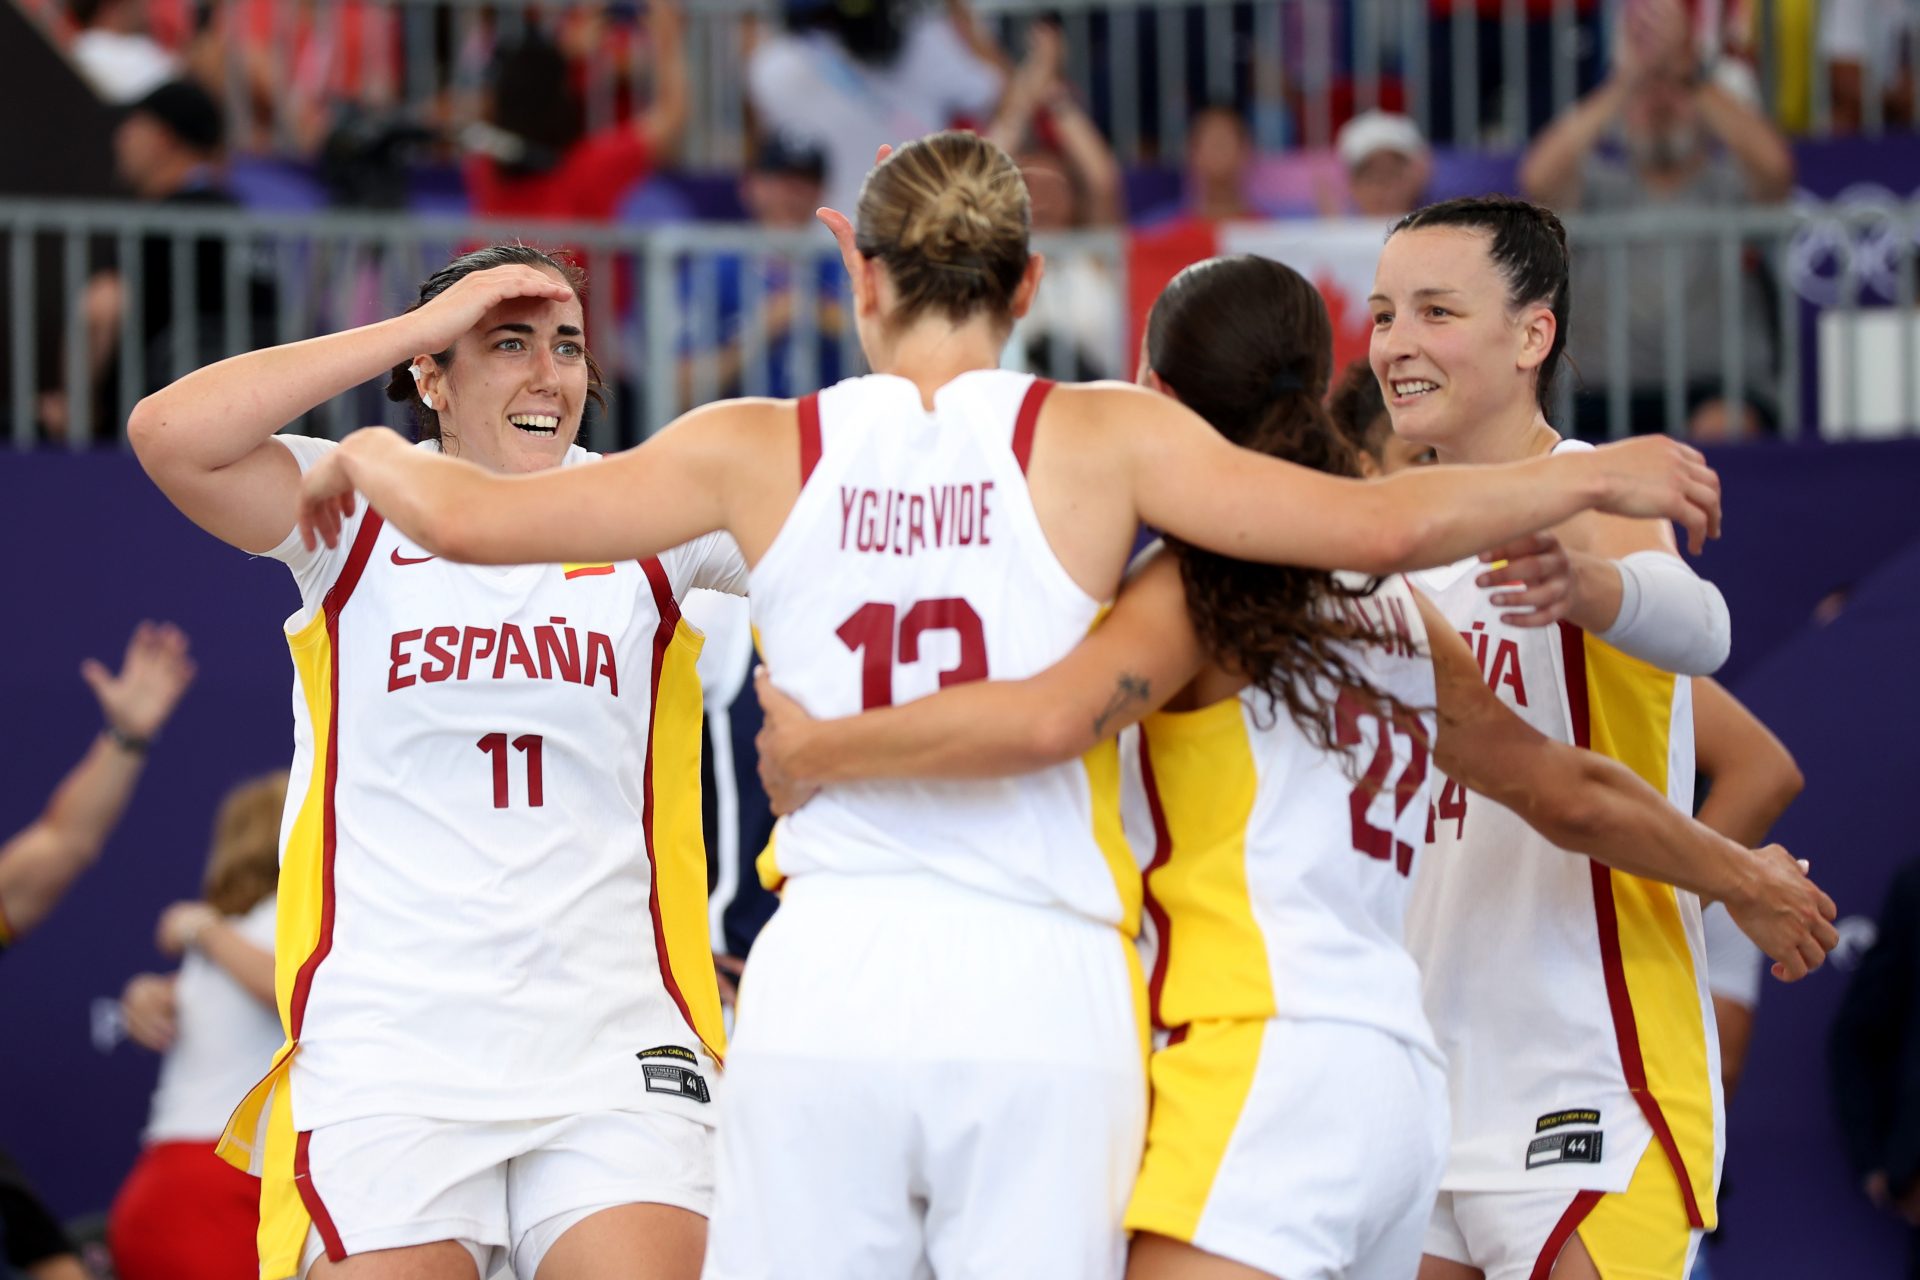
{"x":1376,"y":131}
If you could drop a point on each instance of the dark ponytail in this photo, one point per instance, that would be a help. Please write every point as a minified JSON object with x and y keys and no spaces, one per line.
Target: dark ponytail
{"x":1245,"y":342}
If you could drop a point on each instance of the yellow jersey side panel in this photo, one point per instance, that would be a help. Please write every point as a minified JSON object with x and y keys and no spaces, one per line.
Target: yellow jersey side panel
{"x":1632,"y":707}
{"x":1202,"y":784}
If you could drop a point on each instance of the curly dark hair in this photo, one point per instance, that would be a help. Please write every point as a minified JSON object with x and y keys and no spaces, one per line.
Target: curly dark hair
{"x":1245,"y":342}
{"x":400,"y":385}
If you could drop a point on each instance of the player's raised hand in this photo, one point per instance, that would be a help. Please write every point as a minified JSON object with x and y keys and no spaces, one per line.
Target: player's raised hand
{"x":439,"y":323}
{"x":842,"y":226}
{"x":326,"y":497}
{"x":155,"y":673}
{"x":1655,"y":477}
{"x":1785,"y":913}
{"x":1533,"y":576}
{"x":780,"y":743}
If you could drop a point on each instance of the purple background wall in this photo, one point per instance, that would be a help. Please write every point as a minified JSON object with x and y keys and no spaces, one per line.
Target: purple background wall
{"x":94,"y":549}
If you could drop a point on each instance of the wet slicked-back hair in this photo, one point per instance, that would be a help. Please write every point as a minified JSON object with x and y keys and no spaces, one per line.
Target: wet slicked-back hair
{"x":400,"y":385}
{"x":1528,"y":245}
{"x":948,"y":214}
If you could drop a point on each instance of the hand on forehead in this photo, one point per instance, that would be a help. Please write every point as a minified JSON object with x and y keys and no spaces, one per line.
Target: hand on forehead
{"x":542,"y":313}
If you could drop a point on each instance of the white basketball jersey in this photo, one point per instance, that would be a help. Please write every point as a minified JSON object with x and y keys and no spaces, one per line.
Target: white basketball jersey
{"x":1570,"y":1000}
{"x":1279,"y":873}
{"x":913,"y":560}
{"x":493,"y":885}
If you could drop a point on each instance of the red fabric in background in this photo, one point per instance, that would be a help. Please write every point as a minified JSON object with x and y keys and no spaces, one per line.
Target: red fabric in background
{"x":586,"y":185}
{"x":185,"y":1214}
{"x":1155,"y":257}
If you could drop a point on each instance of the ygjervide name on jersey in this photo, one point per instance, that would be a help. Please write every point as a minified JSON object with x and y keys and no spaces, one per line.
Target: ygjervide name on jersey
{"x":901,"y":522}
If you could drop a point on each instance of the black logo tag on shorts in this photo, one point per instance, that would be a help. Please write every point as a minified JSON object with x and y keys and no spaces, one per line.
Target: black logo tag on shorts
{"x":1581,"y":1147}
{"x":1561,"y":1119}
{"x":664,"y":1077}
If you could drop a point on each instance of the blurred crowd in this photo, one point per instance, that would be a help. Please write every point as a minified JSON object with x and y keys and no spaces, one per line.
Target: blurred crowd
{"x":293,"y":105}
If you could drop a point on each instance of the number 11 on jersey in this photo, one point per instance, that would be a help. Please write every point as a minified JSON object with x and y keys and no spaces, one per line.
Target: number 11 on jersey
{"x":528,"y":744}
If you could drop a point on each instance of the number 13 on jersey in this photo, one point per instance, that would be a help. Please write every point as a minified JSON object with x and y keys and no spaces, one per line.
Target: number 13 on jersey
{"x":884,"y":638}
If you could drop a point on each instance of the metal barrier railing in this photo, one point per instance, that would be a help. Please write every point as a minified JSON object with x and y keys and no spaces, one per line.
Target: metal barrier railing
{"x":1472,"y":73}
{"x":1802,"y":319}
{"x":107,"y":302}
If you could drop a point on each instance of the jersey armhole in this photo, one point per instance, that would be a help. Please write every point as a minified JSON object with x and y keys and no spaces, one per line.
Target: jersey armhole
{"x":1027,"y":419}
{"x":810,"y":436}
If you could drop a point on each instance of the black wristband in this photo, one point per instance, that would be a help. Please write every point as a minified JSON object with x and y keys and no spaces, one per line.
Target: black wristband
{"x":127,"y":742}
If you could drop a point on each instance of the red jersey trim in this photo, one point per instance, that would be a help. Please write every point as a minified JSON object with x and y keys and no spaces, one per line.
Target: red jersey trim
{"x":1562,"y":1232}
{"x":1626,"y":1030}
{"x":669,"y":610}
{"x":334,"y":602}
{"x":809,"y":436}
{"x":310,"y":1197}
{"x":1162,"y":851}
{"x":1029,"y":415}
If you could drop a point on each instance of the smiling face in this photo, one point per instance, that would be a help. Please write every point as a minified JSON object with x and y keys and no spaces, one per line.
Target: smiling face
{"x":512,"y":395}
{"x":1451,"y":353}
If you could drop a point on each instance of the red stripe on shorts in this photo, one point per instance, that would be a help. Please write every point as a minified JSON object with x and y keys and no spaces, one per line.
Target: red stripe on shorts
{"x":1562,"y":1232}
{"x":310,"y":1197}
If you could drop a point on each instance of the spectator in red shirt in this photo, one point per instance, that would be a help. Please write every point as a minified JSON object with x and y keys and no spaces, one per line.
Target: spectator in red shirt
{"x":183,"y":1210}
{"x":533,"y":157}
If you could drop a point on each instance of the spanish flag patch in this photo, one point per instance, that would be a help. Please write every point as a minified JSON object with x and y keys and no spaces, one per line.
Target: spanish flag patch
{"x":586,"y":570}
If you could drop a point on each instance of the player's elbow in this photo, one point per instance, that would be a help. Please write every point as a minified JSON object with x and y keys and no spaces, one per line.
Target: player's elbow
{"x":1573,"y":820}
{"x":1785,"y":782}
{"x":1566,"y":803}
{"x":147,"y":430}
{"x":1055,"y":735}
{"x":1393,"y":544}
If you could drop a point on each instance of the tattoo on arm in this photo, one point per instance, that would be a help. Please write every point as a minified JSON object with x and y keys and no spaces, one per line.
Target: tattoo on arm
{"x":1127,"y":690}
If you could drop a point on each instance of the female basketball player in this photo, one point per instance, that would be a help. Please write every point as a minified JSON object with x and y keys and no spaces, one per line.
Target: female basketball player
{"x":1281,"y":842}
{"x":1586,"y":1102}
{"x":501,"y":1015}
{"x":950,"y":971}
{"x":1753,"y":777}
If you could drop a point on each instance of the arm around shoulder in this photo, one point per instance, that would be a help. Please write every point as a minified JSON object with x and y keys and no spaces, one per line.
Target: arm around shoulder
{"x":1143,"y":653}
